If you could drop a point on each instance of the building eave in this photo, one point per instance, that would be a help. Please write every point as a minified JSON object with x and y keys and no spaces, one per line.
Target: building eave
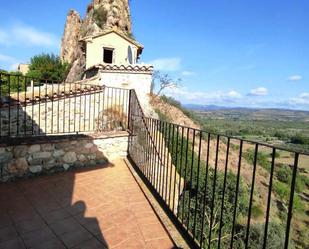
{"x":121,"y":34}
{"x":132,"y":68}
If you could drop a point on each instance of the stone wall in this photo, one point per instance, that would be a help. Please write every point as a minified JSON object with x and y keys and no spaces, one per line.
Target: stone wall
{"x":57,"y":154}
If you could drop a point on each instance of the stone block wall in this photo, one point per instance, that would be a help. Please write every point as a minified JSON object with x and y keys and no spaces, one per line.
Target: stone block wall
{"x":59,"y":154}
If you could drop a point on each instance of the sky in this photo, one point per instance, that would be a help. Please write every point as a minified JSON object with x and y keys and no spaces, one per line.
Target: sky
{"x":239,"y":53}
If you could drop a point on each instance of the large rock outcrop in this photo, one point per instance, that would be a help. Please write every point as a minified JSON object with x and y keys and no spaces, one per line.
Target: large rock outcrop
{"x":101,"y":15}
{"x":70,"y":45}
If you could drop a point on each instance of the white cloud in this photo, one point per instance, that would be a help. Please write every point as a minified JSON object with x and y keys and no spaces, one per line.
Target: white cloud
{"x":302,"y":99}
{"x":234,"y":99}
{"x":260,"y":91}
{"x":183,"y":94}
{"x":304,"y":96}
{"x":295,"y":78}
{"x":188,"y":73}
{"x":233,"y":94}
{"x":23,"y":35}
{"x":167,"y":64}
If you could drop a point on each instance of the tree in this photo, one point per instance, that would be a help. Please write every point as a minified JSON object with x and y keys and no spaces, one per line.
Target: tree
{"x":11,"y":82}
{"x":164,"y":81}
{"x":48,"y":66}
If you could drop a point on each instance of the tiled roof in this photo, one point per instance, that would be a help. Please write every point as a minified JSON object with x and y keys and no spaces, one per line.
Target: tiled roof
{"x":127,"y":68}
{"x":121,"y":34}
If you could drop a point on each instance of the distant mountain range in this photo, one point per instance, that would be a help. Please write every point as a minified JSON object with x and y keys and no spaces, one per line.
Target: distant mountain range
{"x":196,"y":107}
{"x":206,"y":107}
{"x":243,"y":113}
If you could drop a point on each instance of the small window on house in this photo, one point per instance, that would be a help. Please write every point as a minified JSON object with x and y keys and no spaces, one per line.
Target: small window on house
{"x":108,"y":55}
{"x":130,"y":55}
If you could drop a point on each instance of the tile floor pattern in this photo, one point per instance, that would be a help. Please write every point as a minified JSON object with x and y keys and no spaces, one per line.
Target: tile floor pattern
{"x":98,"y":208}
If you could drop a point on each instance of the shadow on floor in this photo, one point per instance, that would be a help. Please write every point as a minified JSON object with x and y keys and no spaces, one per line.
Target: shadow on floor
{"x":50,"y":212}
{"x":99,"y":208}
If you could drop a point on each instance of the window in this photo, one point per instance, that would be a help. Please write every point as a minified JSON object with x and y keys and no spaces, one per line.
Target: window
{"x":130,"y":55}
{"x":108,"y":54}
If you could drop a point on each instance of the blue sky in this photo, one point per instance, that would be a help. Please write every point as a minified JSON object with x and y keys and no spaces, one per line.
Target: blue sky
{"x":232,"y":53}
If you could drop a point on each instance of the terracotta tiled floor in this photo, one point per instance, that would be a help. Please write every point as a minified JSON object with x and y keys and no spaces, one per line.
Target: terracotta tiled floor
{"x":99,"y":208}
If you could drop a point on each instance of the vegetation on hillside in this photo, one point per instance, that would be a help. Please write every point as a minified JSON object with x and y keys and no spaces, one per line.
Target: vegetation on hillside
{"x":171,"y":101}
{"x":100,"y":16}
{"x":291,"y":134}
{"x":207,"y":186}
{"x":290,"y":131}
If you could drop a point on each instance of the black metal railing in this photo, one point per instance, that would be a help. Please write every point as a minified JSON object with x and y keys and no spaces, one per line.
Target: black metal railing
{"x":32,"y":107}
{"x":222,"y":192}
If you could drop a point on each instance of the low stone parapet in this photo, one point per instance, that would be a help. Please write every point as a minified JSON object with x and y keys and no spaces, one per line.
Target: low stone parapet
{"x":26,"y":157}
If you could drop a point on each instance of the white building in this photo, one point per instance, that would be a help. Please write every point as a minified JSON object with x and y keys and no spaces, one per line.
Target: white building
{"x":114,"y":57}
{"x":23,"y":68}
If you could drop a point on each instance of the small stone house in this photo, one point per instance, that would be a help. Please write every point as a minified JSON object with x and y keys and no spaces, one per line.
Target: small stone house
{"x":113,"y":56}
{"x":111,"y":47}
{"x":23,"y":68}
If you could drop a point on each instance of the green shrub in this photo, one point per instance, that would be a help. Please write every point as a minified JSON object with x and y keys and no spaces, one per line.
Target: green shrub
{"x":302,"y":182}
{"x":284,"y":174}
{"x":48,"y":67}
{"x":300,"y":139}
{"x":275,"y":236}
{"x":100,"y":16}
{"x":281,"y":135}
{"x":257,"y":211}
{"x":299,"y":205}
{"x":262,"y":158}
{"x":282,"y":190}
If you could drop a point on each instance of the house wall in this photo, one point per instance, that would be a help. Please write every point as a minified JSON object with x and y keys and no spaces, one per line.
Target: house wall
{"x":23,"y":68}
{"x":140,"y":81}
{"x":94,"y":52}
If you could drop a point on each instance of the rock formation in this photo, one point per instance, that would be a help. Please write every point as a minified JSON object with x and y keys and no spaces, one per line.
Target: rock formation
{"x":70,"y":44}
{"x":101,"y":15}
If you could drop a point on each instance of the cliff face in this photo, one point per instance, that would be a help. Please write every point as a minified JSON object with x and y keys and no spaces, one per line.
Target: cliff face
{"x":101,"y":15}
{"x":70,"y":45}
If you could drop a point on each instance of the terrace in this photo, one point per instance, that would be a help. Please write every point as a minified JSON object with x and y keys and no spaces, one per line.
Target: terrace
{"x":98,"y":208}
{"x":83,"y":167}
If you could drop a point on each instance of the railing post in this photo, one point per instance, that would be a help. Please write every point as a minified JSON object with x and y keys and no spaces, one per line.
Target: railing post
{"x":129,"y":109}
{"x":292,"y":192}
